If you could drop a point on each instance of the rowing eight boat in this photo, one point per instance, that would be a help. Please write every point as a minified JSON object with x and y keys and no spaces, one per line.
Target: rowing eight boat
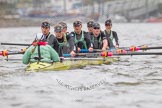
{"x":69,"y":64}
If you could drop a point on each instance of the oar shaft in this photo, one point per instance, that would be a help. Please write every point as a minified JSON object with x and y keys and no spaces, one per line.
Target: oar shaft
{"x":94,"y":50}
{"x":84,"y":54}
{"x":6,"y":53}
{"x":15,"y":44}
{"x":151,"y":48}
{"x":143,"y":53}
{"x":141,"y":48}
{"x":82,"y":58}
{"x":62,"y":58}
{"x":87,"y":51}
{"x":77,"y":54}
{"x":106,"y":54}
{"x":122,"y":49}
{"x":13,"y":53}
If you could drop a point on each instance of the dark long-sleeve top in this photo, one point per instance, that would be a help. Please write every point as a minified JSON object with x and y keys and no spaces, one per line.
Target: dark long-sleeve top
{"x":78,"y":37}
{"x":108,"y":36}
{"x":70,"y":41}
{"x":52,"y":41}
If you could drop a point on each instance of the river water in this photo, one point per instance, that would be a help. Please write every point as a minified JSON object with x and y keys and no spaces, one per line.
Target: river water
{"x":133,"y":82}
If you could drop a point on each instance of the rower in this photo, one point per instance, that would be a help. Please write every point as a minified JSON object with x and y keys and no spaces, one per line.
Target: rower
{"x":66,"y":42}
{"x":98,"y":38}
{"x":111,"y":35}
{"x":64,"y":25}
{"x":81,"y":38}
{"x":40,"y":51}
{"x":90,"y":27}
{"x":50,"y":38}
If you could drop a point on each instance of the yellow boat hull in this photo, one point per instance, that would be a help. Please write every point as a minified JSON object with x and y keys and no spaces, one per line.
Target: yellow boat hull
{"x":107,"y":61}
{"x":67,"y":64}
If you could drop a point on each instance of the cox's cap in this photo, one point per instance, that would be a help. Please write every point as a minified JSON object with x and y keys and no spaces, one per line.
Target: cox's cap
{"x":96,"y":26}
{"x":58,"y":28}
{"x":45,"y":24}
{"x":77,"y":23}
{"x":108,"y":22}
{"x":90,"y":24}
{"x":39,"y":37}
{"x":63,"y":24}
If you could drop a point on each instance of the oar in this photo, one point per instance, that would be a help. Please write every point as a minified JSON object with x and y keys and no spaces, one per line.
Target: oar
{"x":12,"y":59}
{"x":76,"y":58}
{"x":84,"y":54}
{"x":94,"y":50}
{"x":6,"y":53}
{"x":141,"y":47}
{"x":123,"y":49}
{"x":18,"y":44}
{"x":132,"y":46}
{"x":106,"y":54}
{"x":62,"y":58}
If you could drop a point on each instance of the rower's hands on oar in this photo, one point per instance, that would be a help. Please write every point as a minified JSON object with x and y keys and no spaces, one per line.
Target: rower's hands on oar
{"x":79,"y":49}
{"x":35,"y":43}
{"x":90,"y":49}
{"x":117,"y":46}
{"x":72,"y":53}
{"x":104,"y":49}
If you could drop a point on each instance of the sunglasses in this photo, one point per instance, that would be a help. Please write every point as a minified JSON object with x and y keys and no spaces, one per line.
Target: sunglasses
{"x":77,"y":23}
{"x":96,"y":28}
{"x":58,"y":31}
{"x":89,"y":26}
{"x":108,"y":24}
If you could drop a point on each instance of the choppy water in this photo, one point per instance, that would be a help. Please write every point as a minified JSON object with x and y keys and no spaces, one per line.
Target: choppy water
{"x":133,"y":82}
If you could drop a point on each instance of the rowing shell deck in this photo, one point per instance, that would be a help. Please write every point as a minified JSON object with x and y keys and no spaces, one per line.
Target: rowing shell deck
{"x":69,"y":64}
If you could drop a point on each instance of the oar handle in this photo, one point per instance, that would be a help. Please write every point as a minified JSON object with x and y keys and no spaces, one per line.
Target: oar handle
{"x":66,"y":55}
{"x":87,"y":51}
{"x":84,"y":51}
